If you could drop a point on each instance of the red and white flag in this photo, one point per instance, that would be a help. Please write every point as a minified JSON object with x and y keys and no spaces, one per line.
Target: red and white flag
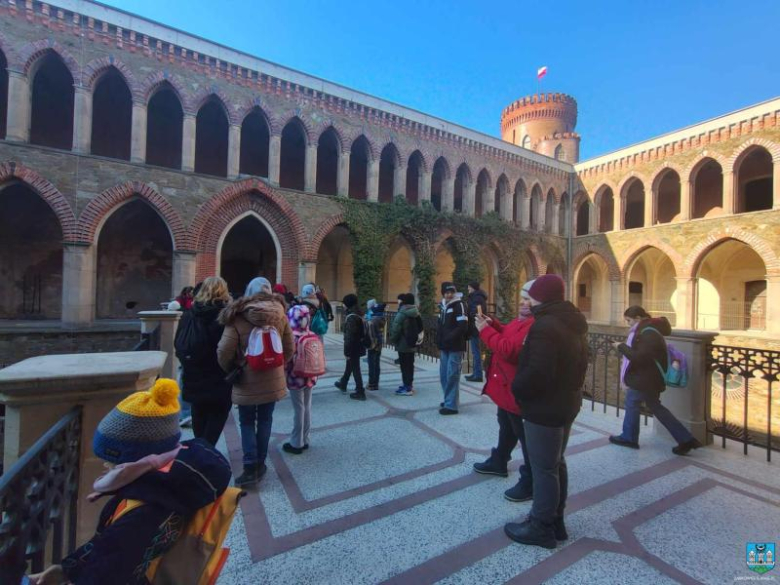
{"x":541,"y":72}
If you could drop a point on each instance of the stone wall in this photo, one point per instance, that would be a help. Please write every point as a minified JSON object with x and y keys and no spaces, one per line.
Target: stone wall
{"x":16,"y":346}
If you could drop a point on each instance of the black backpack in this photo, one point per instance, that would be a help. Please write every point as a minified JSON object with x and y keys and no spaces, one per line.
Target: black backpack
{"x":192,"y":344}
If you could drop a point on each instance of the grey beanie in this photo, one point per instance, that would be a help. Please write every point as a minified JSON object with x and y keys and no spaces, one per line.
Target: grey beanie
{"x":258,"y":285}
{"x":308,"y":290}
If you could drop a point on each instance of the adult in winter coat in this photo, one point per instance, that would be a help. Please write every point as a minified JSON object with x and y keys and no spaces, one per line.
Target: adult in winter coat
{"x":477,"y":301}
{"x":354,"y":348}
{"x":375,"y":316}
{"x":255,"y":392}
{"x":173,"y":480}
{"x":644,"y":352}
{"x":403,"y":335}
{"x":506,"y":342}
{"x":452,"y":330}
{"x":203,"y":380}
{"x":548,"y":389}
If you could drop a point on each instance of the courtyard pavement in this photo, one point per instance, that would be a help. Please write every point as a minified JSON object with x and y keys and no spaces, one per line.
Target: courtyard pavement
{"x":386,"y":494}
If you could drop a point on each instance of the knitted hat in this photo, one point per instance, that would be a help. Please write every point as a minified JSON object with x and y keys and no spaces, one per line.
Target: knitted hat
{"x":371,"y":304}
{"x":526,"y":287}
{"x":447,"y":286}
{"x":257,"y":285}
{"x":308,"y":290}
{"x":144,"y":423}
{"x":547,"y":288}
{"x":406,"y":298}
{"x":280,"y":289}
{"x":349,"y":300}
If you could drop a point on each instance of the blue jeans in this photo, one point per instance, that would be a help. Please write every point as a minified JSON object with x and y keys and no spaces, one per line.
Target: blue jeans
{"x":476,"y":356}
{"x":634,"y":400}
{"x":449,"y":373}
{"x":255,"y":421}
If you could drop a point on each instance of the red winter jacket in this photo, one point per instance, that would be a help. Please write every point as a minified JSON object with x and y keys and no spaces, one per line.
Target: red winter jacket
{"x":505,"y":341}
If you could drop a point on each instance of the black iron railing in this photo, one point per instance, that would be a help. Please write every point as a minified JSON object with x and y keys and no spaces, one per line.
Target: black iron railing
{"x":38,"y":496}
{"x":740,"y":401}
{"x":149,"y":341}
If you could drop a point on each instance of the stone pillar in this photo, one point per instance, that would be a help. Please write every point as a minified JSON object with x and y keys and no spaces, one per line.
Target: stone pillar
{"x":469,"y":198}
{"x":307,"y":272}
{"x":184,"y":263}
{"x":234,"y":151}
{"x":689,"y":404}
{"x":685,"y":308}
{"x":424,"y":189}
{"x":556,"y":219}
{"x":776,"y":185}
{"x":448,"y":194}
{"x":274,"y":159}
{"x":541,"y":215}
{"x":167,"y":321}
{"x":618,"y":296}
{"x":617,"y":214}
{"x":39,"y":391}
{"x":310,"y":169}
{"x":729,"y":193}
{"x":399,"y":181}
{"x":79,"y":273}
{"x":525,"y":214}
{"x":138,"y":133}
{"x":489,"y":204}
{"x":188,"y":143}
{"x":507,"y":200}
{"x":685,"y":200}
{"x":82,"y":120}
{"x":19,"y":108}
{"x":651,"y":208}
{"x":772,"y":318}
{"x":372,"y":178}
{"x":342,"y":175}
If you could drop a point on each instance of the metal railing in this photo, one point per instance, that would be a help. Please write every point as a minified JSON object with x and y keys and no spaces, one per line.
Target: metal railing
{"x":149,"y":341}
{"x":38,"y":496}
{"x":740,"y":398}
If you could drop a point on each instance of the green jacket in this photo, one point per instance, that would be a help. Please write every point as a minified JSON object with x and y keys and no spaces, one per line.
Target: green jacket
{"x":402,"y":321}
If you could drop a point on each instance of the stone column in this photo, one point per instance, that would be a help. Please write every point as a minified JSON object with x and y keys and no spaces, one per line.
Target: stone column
{"x":372,"y":178}
{"x":184,"y":263}
{"x":234,"y":151}
{"x":617,"y":213}
{"x":772,"y":318}
{"x":342,"y":175}
{"x":776,"y":185}
{"x":19,"y":107}
{"x":307,"y":272}
{"x":729,"y":193}
{"x":188,"y":143}
{"x":424,"y":189}
{"x":469,"y":198}
{"x":618,"y":296}
{"x":685,"y":200}
{"x":525,"y":214}
{"x":167,"y":321}
{"x":138,"y":133}
{"x":39,"y":391}
{"x":685,"y":308}
{"x":489,"y":204}
{"x":448,"y":194}
{"x":310,"y":170}
{"x":651,"y":208}
{"x":78,"y":284}
{"x":274,"y":159}
{"x":82,"y":120}
{"x":541,"y":215}
{"x":399,"y":181}
{"x":689,"y":404}
{"x":556,"y":219}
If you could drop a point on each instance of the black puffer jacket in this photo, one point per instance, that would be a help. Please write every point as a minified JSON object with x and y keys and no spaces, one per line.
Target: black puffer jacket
{"x":476,"y":299}
{"x":647,"y":348}
{"x":453,"y":326}
{"x":552,"y":365}
{"x":353,"y":334}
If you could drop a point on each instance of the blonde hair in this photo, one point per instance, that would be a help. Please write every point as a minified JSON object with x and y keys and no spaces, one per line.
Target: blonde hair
{"x":213,"y":289}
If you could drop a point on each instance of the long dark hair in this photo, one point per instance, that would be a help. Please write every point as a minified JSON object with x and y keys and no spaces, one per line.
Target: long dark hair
{"x":636,"y":312}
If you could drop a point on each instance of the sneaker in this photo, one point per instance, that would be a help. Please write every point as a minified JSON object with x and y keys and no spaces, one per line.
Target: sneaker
{"x":492,"y":466}
{"x":684,"y":448}
{"x":405,"y":391}
{"x":560,"y":529}
{"x":340,"y":386}
{"x":618,"y":440}
{"x":358,"y":395}
{"x":248,"y":477}
{"x":520,"y":492}
{"x":287,"y":447}
{"x":473,"y":378}
{"x":372,"y":388}
{"x":532,"y":532}
{"x":447,"y":411}
{"x":186,"y":422}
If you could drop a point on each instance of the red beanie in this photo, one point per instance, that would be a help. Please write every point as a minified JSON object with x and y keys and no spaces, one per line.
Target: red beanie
{"x":280,"y":289}
{"x":546,"y":288}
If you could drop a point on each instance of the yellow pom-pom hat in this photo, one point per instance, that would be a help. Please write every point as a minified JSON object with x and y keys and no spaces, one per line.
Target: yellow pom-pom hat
{"x":144,"y":423}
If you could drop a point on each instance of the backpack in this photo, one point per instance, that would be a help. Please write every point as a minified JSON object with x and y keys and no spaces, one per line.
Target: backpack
{"x":192,"y":344}
{"x":309,"y":361}
{"x":376,"y":331}
{"x":264,"y":349}
{"x":319,"y":324}
{"x":676,"y":373}
{"x":365,"y":333}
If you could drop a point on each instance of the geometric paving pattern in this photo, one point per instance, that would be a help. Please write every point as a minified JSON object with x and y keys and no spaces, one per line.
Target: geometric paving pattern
{"x":385,"y":494}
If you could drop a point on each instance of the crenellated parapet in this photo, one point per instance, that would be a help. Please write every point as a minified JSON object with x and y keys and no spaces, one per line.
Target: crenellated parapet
{"x":543,"y":123}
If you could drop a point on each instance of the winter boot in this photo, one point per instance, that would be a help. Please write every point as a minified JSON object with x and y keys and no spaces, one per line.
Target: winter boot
{"x":249,"y":476}
{"x":493,"y":465}
{"x":532,"y":532}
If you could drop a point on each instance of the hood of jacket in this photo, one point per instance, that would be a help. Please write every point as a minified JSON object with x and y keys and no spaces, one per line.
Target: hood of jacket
{"x":260,"y":310}
{"x":207,"y":311}
{"x":410,"y":311}
{"x":659,"y":323}
{"x":456,"y":299}
{"x":565,"y":312}
{"x":478,"y":296}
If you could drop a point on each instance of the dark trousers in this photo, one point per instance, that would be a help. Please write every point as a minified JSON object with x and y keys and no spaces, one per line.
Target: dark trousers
{"x":374,"y":356}
{"x":407,"y":367}
{"x":511,"y":431}
{"x":255,"y":422}
{"x":208,"y":420}
{"x":546,"y":446}
{"x":353,"y":369}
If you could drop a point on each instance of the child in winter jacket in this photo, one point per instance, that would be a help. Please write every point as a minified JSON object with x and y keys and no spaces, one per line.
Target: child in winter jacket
{"x":375,"y":316}
{"x":354,"y":348}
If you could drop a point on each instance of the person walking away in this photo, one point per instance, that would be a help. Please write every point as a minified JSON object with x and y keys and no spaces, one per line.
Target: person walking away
{"x":477,"y":301}
{"x":452,"y":331}
{"x":644,"y":360}
{"x":375,"y":316}
{"x":325,"y":303}
{"x":309,"y":351}
{"x":255,"y":391}
{"x":404,"y":331}
{"x":167,"y":481}
{"x":506,"y":342}
{"x":203,"y":380}
{"x":354,"y":348}
{"x":548,"y":389}
{"x":318,"y":320}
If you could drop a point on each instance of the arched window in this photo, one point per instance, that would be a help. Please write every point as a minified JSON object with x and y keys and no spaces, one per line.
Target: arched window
{"x":112,"y":115}
{"x":51,"y":119}
{"x":439,"y":176}
{"x":583,"y":218}
{"x":536,"y":199}
{"x":387,"y":164}
{"x":560,"y":154}
{"x":292,"y":163}
{"x":328,"y":162}
{"x":358,"y":168}
{"x":754,"y":180}
{"x":255,"y":142}
{"x":606,"y":211}
{"x":707,"y":189}
{"x":413,"y":177}
{"x":501,"y":200}
{"x":668,"y":197}
{"x":527,"y":142}
{"x":517,"y":203}
{"x":483,"y":184}
{"x":164,"y":121}
{"x":634,"y":201}
{"x":211,"y":139}
{"x":462,"y":182}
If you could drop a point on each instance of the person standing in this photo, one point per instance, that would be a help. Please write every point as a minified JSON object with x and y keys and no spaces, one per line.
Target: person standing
{"x":548,"y":389}
{"x":477,"y":301}
{"x":645,"y":358}
{"x":256,"y":392}
{"x":452,"y":331}
{"x":403,"y":335}
{"x":318,"y":321}
{"x":185,"y":298}
{"x":506,"y":343}
{"x":354,"y":348}
{"x":375,"y":317}
{"x":203,"y":380}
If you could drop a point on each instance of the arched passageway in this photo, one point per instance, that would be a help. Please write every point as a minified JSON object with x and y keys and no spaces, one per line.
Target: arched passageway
{"x":112,"y":113}
{"x":335,"y":270}
{"x":134,"y":262}
{"x":211,"y":139}
{"x":30,"y":256}
{"x":248,"y":250}
{"x":652,"y":284}
{"x":754,"y":180}
{"x":592,"y":289}
{"x":255,"y":144}
{"x":292,"y":162}
{"x":359,"y":156}
{"x":328,"y":162}
{"x":668,"y":197}
{"x":398,"y":277}
{"x":51,"y":115}
{"x":583,"y":217}
{"x":414,"y":175}
{"x":707,"y":189}
{"x":445,"y":264}
{"x":164,"y":122}
{"x":634,"y":205}
{"x":387,"y":164}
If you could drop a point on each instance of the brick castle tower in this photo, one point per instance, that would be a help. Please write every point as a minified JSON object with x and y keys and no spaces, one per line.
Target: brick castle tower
{"x":543,"y":123}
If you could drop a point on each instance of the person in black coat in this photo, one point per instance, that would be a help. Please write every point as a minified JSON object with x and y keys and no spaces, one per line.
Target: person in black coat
{"x":645,"y":357}
{"x":203,"y":380}
{"x":477,"y":301}
{"x":452,"y":331}
{"x":548,"y":389}
{"x":354,"y":348}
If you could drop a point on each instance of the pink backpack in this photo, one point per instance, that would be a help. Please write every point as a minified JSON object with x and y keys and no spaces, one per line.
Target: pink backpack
{"x":264,"y":349}
{"x":309,"y":359}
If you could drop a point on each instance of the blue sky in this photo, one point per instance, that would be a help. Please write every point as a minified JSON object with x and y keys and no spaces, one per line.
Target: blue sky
{"x":637,"y":69}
